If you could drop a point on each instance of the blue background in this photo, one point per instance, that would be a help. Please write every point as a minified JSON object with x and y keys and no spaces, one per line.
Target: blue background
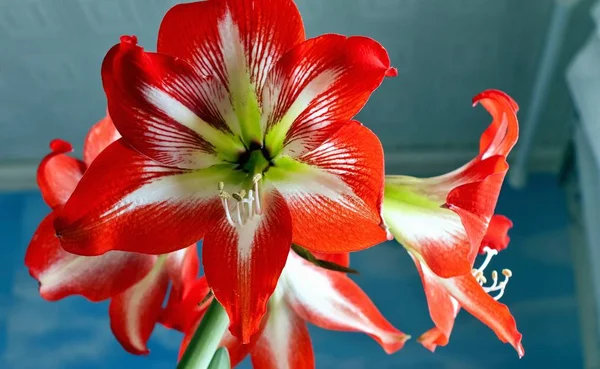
{"x":74,"y":333}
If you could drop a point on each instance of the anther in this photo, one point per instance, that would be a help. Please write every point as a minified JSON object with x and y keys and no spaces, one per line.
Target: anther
{"x":507,"y":273}
{"x":240,"y":214}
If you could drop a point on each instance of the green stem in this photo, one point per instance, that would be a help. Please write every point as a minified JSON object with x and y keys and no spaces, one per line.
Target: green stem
{"x":220,"y":360}
{"x":206,"y":339}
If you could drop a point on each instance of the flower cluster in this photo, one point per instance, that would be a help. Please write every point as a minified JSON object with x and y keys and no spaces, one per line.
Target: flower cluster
{"x":239,"y":132}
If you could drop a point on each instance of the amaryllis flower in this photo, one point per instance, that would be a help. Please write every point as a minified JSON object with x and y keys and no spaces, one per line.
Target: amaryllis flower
{"x":237,"y":131}
{"x":305,"y":293}
{"x":135,"y":283}
{"x":442,"y":221}
{"x":444,"y":307}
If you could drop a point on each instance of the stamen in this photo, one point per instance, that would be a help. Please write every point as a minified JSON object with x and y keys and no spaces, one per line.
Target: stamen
{"x":240,"y":214}
{"x":489,"y":254}
{"x":496,"y":286}
{"x":226,"y":207}
{"x":256,"y":179}
{"x":249,"y":201}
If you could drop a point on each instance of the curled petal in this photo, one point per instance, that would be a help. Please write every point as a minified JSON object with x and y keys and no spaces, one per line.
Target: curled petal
{"x":63,"y":274}
{"x":502,"y":135}
{"x":100,"y":136}
{"x":496,"y":236}
{"x":243,"y":263}
{"x":333,"y":188}
{"x":331,"y":300}
{"x":128,"y":202}
{"x":284,"y":343}
{"x":163,"y":109}
{"x":317,"y":87}
{"x":135,"y":312}
{"x":58,"y":174}
{"x":237,"y":42}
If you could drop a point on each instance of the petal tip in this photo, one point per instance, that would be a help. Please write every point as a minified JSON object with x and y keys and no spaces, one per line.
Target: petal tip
{"x":127,"y":40}
{"x":397,"y":344}
{"x":391,"y":72}
{"x":59,"y":146}
{"x":520,"y":350}
{"x":496,"y":95}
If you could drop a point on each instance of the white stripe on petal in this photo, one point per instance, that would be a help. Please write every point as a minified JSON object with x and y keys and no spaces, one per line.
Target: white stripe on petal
{"x":177,"y":111}
{"x":305,"y":286}
{"x":184,"y":189}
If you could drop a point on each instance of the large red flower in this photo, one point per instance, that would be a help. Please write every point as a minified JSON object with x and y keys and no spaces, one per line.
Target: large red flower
{"x":305,"y":293}
{"x":135,"y":283}
{"x":442,"y":222}
{"x":237,"y":131}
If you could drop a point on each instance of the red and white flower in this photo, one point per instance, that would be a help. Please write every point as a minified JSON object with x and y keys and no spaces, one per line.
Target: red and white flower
{"x":305,"y":293}
{"x":136,"y":283}
{"x":442,"y":222}
{"x":239,"y":132}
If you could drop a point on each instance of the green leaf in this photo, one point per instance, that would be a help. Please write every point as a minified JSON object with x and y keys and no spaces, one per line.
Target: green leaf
{"x":220,"y":360}
{"x":329,"y":265}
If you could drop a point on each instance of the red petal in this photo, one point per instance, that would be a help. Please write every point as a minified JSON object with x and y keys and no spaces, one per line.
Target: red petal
{"x":331,"y":300}
{"x":98,"y":138}
{"x":128,"y":202}
{"x":135,"y":312}
{"x":317,"y":87}
{"x":58,"y":174}
{"x":242,"y":264}
{"x":225,"y":38}
{"x":183,"y":267}
{"x":183,"y":314}
{"x":63,"y":274}
{"x":284,"y":343}
{"x":443,"y":309}
{"x":339,"y":192}
{"x":501,"y":136}
{"x":477,"y":184}
{"x":475,"y":200}
{"x":471,"y":296}
{"x":496,"y":236}
{"x":162,"y":108}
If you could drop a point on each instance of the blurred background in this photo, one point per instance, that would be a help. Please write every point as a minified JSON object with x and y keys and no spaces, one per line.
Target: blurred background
{"x":544,"y":53}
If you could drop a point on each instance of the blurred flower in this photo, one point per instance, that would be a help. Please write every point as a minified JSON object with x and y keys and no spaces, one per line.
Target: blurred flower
{"x":305,"y":293}
{"x":237,"y":131}
{"x":442,"y":221}
{"x":135,"y":283}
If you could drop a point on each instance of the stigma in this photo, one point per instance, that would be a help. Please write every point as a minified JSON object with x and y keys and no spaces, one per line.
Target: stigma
{"x":241,"y":207}
{"x":497,"y":287}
